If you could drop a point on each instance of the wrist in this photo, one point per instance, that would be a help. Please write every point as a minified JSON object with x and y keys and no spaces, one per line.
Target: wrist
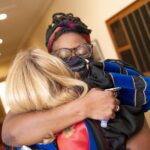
{"x":82,"y":108}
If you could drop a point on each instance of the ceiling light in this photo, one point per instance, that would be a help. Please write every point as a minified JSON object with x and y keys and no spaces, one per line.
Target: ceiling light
{"x":1,"y":41}
{"x":3,"y":16}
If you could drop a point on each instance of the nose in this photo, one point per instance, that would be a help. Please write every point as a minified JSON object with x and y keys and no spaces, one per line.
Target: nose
{"x":74,"y":52}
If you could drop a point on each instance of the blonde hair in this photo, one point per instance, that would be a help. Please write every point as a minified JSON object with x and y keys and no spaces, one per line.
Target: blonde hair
{"x":38,"y":80}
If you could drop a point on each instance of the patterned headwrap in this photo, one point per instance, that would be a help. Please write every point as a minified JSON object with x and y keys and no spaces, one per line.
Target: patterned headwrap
{"x":63,"y":23}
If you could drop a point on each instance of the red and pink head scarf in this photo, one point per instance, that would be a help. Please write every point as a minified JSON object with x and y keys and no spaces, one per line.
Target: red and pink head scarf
{"x":63,"y":27}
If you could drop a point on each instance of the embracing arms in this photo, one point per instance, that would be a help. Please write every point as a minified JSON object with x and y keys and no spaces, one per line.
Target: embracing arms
{"x":33,"y":127}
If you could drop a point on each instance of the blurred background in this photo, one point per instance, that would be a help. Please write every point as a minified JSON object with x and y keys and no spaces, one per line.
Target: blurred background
{"x":120,"y":29}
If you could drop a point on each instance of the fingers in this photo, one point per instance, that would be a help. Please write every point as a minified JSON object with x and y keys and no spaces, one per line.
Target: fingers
{"x":110,"y":114}
{"x":104,"y":104}
{"x":114,"y":107}
{"x":113,"y":116}
{"x":117,"y":108}
{"x":117,"y":101}
{"x":115,"y":94}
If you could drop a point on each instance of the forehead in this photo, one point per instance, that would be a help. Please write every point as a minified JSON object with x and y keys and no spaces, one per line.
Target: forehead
{"x":68,"y":40}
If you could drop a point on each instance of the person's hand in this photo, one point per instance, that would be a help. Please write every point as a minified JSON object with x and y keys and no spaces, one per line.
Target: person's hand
{"x":100,"y":104}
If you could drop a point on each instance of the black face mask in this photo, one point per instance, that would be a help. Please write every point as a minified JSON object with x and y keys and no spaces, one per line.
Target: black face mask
{"x":78,"y":64}
{"x":90,"y":72}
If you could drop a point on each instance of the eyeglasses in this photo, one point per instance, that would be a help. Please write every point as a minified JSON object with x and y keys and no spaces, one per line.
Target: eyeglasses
{"x":83,"y":50}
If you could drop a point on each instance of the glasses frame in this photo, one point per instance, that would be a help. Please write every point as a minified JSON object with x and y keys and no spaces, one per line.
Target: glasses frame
{"x":55,"y":52}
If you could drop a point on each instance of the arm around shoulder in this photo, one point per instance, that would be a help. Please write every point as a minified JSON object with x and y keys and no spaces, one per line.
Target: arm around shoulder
{"x":32,"y":127}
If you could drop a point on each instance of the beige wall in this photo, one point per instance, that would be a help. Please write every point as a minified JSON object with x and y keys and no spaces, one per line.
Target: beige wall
{"x":4,"y":67}
{"x":93,"y":12}
{"x":2,"y":111}
{"x":148,"y":117}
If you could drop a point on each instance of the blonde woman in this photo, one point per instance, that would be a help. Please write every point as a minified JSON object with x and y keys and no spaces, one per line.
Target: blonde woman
{"x":38,"y":81}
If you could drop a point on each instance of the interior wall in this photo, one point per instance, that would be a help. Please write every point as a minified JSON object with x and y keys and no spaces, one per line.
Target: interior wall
{"x":4,"y":67}
{"x":94,"y":13}
{"x":2,"y":112}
